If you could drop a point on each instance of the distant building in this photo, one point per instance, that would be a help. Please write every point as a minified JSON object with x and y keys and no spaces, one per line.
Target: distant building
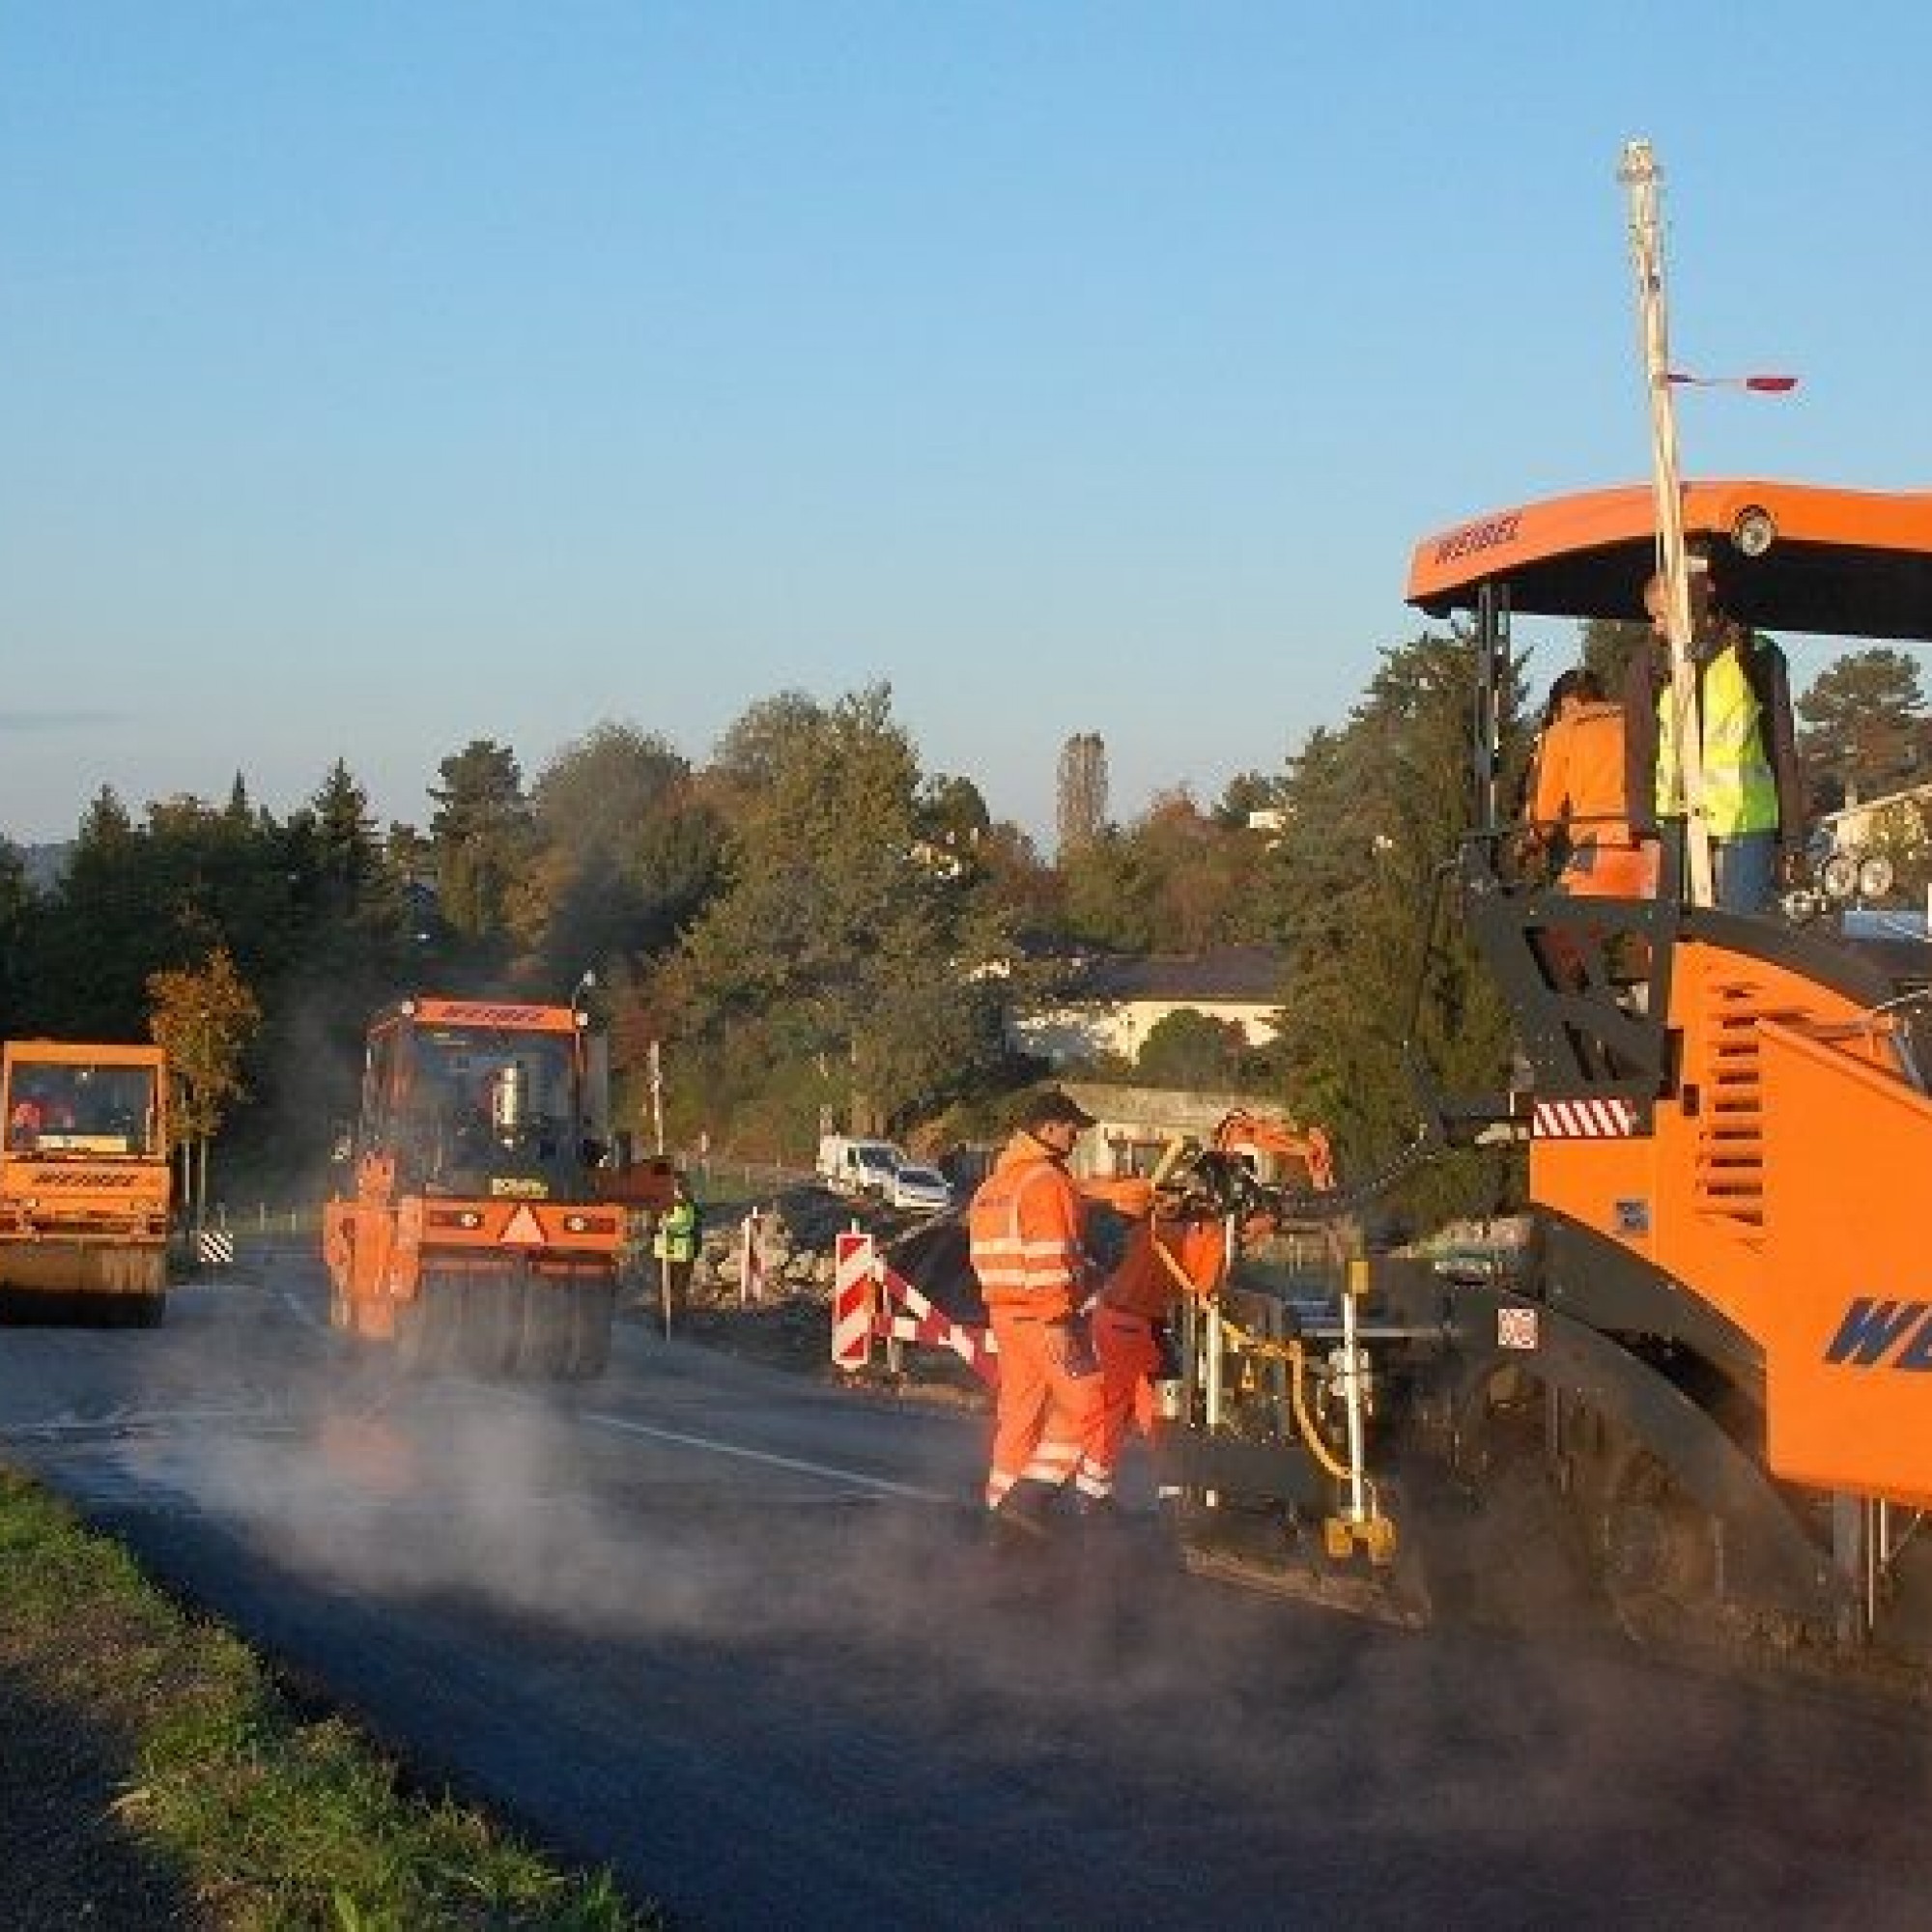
{"x":1116,"y":1000}
{"x":1853,"y":829}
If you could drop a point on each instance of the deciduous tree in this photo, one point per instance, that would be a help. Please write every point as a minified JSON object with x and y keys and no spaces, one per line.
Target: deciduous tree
{"x":1245,"y":794}
{"x":840,"y":946}
{"x":625,"y":852}
{"x":204,"y":1018}
{"x":1192,"y":1049}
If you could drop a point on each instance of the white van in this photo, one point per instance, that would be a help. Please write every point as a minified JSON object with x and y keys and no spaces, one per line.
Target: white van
{"x":851,"y":1166}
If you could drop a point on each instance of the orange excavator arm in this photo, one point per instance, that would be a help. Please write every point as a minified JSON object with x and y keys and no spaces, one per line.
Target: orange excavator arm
{"x":1243,"y":1132}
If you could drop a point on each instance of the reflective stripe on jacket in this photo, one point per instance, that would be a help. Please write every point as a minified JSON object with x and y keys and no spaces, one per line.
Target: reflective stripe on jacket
{"x":1740,"y":790}
{"x":1024,"y":1226}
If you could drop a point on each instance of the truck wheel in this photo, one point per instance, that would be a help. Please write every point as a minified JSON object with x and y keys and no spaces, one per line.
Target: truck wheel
{"x":547,"y":1329}
{"x":413,"y":1333}
{"x":593,"y":1309}
{"x":1657,"y":1555}
{"x":492,"y":1323}
{"x":429,"y":1328}
{"x":147,"y":1310}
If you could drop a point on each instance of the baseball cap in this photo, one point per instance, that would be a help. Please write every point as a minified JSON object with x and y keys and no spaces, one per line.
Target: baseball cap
{"x":1040,"y":1110}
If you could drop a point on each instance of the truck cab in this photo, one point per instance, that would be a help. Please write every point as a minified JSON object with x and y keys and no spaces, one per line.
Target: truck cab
{"x":84,"y":1180}
{"x":478,"y":1223}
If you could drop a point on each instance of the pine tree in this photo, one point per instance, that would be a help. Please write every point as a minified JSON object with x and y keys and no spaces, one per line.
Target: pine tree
{"x":481,"y":833}
{"x":346,"y":853}
{"x":1377,"y":971}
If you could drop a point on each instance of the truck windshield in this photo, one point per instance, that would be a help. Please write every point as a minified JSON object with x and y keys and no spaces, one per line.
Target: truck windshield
{"x":87,"y":1107}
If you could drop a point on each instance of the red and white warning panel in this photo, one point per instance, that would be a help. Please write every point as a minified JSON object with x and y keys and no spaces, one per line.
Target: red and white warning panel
{"x":853,"y":1265}
{"x":870,"y":1300}
{"x":1606,"y":1120}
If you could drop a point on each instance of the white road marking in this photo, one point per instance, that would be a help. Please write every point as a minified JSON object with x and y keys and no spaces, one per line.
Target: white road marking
{"x":793,"y":1462}
{"x":304,"y":1316}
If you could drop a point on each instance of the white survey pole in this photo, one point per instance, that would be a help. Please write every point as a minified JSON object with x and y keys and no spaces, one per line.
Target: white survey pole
{"x":1640,"y":176}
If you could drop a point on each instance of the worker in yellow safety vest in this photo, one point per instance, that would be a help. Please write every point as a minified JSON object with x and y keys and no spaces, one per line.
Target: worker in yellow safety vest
{"x":674,"y":1245}
{"x":1752,"y":794}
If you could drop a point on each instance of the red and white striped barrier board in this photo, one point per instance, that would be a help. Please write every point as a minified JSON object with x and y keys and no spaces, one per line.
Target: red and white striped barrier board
{"x":923,"y":1323}
{"x":751,"y":1261}
{"x":854,"y":1264}
{"x":869,"y":1299}
{"x":1614,"y":1118}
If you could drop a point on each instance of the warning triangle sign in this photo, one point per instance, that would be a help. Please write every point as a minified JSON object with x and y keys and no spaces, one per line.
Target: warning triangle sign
{"x":522,"y":1230}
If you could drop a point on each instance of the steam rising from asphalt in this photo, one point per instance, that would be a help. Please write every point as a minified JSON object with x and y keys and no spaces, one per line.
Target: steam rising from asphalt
{"x":515,"y":1517}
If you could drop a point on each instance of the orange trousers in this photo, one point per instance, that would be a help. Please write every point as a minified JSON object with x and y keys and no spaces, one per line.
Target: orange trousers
{"x":1044,"y":1415}
{"x":1604,"y":869}
{"x":1603,"y":872}
{"x":1129,"y":1357}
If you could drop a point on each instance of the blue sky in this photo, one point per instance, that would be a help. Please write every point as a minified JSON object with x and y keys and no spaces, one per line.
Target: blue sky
{"x":375,"y":377}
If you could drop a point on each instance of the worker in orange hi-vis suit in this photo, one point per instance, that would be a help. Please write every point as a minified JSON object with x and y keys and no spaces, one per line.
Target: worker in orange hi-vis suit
{"x":1135,"y":1303}
{"x":1581,"y":794}
{"x":1025,"y":1226}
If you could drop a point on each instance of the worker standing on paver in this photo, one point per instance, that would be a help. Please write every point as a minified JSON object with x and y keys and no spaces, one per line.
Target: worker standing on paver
{"x":1580,"y":797}
{"x":1752,"y":805}
{"x":1025,"y":1230}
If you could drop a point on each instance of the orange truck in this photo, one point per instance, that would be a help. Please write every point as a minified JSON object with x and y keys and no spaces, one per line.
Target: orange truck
{"x":84,"y":1182}
{"x":1702,"y":1389}
{"x":482,"y":1220}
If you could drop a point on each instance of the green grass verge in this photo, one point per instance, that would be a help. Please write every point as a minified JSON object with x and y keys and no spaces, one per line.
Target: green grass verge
{"x":274,"y":1821}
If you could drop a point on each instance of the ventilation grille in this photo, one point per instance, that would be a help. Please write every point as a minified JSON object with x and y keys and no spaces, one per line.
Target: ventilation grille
{"x":1730,"y":1123}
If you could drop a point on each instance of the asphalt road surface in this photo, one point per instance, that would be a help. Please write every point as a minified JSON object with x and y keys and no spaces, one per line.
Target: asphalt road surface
{"x":735,"y":1635}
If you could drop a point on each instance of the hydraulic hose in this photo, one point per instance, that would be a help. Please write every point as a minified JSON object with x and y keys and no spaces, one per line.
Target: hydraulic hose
{"x":1290,"y":1351}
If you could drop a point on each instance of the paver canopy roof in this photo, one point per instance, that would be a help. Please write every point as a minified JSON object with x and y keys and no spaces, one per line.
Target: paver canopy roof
{"x":1852,"y":563}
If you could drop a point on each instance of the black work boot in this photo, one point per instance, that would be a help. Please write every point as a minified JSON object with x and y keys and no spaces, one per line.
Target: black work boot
{"x":1021,"y":1515}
